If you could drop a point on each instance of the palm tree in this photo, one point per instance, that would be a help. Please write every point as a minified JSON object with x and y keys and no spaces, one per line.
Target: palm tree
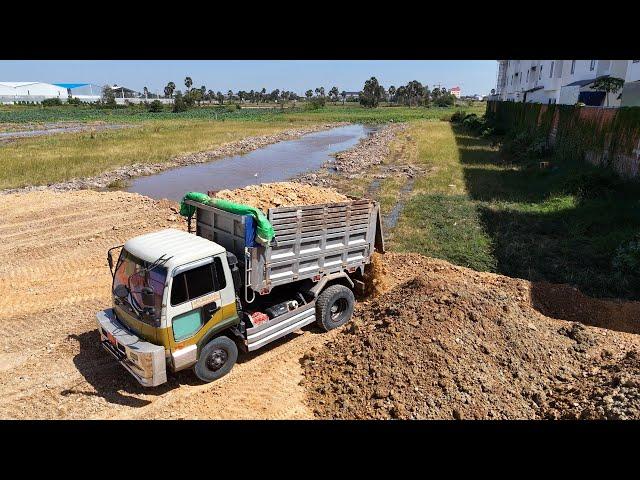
{"x":343,"y":94}
{"x":169,"y":89}
{"x":308,"y":94}
{"x":333,"y":93}
{"x":392,"y":93}
{"x":188,"y":82}
{"x":145,"y":90}
{"x":230,"y":95}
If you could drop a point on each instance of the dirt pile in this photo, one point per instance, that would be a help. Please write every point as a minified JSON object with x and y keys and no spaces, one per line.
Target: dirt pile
{"x":369,"y":151}
{"x":280,"y":194}
{"x":450,"y":342}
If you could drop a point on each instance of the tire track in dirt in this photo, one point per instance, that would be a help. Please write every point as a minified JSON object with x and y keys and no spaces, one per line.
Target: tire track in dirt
{"x":54,"y":278}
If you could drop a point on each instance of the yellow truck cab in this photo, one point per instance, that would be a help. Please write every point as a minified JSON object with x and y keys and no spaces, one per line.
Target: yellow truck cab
{"x":184,"y":300}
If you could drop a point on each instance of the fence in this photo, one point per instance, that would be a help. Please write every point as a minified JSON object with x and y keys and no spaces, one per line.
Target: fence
{"x":601,"y":136}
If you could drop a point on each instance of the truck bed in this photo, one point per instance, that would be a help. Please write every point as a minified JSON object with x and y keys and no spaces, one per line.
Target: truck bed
{"x":310,"y":241}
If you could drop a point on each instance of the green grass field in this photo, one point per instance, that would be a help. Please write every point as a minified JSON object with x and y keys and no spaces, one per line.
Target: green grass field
{"x":562,"y":224}
{"x":55,"y":158}
{"x":14,"y":115}
{"x":155,"y":137}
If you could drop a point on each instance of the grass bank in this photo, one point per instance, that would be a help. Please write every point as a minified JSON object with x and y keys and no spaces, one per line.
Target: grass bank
{"x":570,"y":223}
{"x":55,"y":158}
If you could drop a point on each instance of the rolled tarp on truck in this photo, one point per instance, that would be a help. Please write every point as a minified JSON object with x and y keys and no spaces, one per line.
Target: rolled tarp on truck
{"x":264,"y":230}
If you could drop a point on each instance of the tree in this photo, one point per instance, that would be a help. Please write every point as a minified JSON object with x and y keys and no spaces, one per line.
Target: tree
{"x":145,"y":90}
{"x":608,"y":85}
{"x":179,"y":105}
{"x":169,"y":89}
{"x":108,"y":96}
{"x":343,"y":94}
{"x":370,"y":95}
{"x":220,"y":98}
{"x":188,"y":82}
{"x":392,"y":93}
{"x":415,"y":92}
{"x":334,"y":93}
{"x":308,"y":94}
{"x":211,"y":96}
{"x":230,"y":95}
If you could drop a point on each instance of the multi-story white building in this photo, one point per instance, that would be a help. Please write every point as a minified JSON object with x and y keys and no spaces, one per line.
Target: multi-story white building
{"x":566,"y":81}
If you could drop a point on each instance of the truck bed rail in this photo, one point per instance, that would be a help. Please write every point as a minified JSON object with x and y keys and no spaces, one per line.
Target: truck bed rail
{"x":310,"y":241}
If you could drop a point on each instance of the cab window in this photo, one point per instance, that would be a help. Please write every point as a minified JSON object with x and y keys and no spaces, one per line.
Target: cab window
{"x":195,"y":283}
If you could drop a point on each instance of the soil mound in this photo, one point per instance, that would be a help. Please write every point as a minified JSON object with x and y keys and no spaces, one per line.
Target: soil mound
{"x":280,"y":194}
{"x":453,"y":343}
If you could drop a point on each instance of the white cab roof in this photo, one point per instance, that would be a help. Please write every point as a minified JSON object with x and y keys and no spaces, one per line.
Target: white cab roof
{"x":182,"y":246}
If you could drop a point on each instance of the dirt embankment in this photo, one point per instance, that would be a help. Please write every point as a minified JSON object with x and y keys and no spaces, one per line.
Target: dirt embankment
{"x":448,"y":342}
{"x":128,"y":172}
{"x":367,"y":157}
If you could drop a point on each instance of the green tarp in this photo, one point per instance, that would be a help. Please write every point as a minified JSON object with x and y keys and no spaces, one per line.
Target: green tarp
{"x":264,"y":230}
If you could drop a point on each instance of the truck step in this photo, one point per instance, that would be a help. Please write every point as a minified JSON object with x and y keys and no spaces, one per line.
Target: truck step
{"x":280,"y":326}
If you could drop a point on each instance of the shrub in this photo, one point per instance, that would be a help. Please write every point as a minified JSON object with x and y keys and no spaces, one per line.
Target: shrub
{"x":597,"y":182}
{"x":525,"y":145}
{"x":458,"y":116}
{"x":51,"y":102}
{"x":315,"y":103}
{"x":179,"y":104}
{"x":627,"y":257}
{"x":155,"y":106}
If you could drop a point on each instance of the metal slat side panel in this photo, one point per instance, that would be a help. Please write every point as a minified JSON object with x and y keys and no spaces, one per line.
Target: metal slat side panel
{"x":310,"y":240}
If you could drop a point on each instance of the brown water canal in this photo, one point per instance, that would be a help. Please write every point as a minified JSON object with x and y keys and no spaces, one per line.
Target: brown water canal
{"x":277,"y":162}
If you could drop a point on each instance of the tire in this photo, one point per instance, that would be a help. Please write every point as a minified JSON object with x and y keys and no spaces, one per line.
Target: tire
{"x":217,"y":358}
{"x":334,"y":307}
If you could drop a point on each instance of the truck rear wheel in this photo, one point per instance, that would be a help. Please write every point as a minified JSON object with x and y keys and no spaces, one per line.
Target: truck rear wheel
{"x":217,"y":358}
{"x":334,"y":307}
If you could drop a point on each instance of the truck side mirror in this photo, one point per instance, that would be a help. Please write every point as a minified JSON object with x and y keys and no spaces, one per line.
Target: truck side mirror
{"x":148,"y":297}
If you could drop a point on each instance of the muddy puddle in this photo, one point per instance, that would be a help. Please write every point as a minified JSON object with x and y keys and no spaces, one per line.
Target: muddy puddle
{"x":277,"y":162}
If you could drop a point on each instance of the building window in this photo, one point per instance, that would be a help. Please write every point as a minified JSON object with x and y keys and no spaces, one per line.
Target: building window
{"x":551,"y":69}
{"x":573,"y":66}
{"x":592,"y":66}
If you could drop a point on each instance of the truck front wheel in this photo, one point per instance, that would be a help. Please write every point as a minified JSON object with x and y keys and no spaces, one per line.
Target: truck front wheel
{"x":216,"y":359}
{"x":334,"y":307}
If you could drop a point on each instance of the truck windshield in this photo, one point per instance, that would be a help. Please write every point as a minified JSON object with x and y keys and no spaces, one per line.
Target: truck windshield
{"x":130,"y":272}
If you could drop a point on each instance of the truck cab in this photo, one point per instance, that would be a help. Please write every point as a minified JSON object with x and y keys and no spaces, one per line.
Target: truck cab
{"x":193,"y":297}
{"x":182,"y":300}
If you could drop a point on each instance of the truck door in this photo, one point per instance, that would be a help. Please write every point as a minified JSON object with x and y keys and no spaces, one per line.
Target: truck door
{"x":195,"y":301}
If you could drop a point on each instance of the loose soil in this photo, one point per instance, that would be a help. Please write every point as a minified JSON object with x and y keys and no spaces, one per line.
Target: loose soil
{"x":446,"y":342}
{"x":280,"y":194}
{"x":54,"y":278}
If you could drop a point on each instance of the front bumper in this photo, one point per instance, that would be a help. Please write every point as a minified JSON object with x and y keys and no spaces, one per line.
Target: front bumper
{"x":144,"y":360}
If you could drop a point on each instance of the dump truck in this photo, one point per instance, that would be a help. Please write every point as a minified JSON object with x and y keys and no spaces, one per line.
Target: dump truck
{"x":197,"y":298}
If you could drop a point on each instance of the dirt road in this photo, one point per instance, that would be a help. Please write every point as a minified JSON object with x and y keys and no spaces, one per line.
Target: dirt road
{"x":54,"y":277}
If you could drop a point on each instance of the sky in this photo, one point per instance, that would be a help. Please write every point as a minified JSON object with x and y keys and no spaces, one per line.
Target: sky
{"x":472,"y":76}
